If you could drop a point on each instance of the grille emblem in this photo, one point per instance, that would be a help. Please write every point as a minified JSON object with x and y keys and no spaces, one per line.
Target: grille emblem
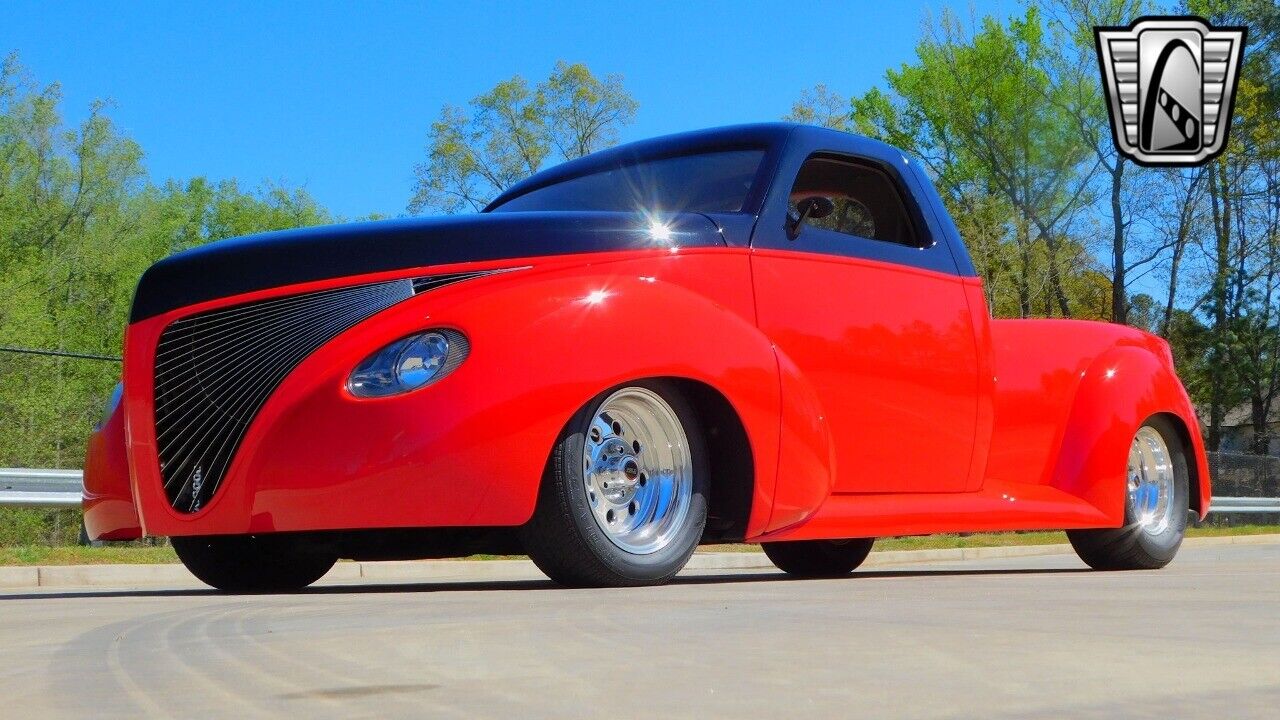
{"x":197,"y":483}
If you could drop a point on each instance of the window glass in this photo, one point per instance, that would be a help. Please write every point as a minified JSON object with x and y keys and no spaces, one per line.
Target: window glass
{"x":867,"y":202}
{"x":708,"y":182}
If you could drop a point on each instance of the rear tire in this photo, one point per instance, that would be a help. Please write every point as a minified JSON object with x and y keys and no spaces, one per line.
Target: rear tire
{"x":623,"y":501}
{"x":819,"y":558}
{"x":1156,"y":506}
{"x":253,"y":563}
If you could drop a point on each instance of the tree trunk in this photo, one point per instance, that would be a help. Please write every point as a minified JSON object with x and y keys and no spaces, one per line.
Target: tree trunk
{"x":1261,"y":442}
{"x":1119,"y":295}
{"x":1024,"y":274}
{"x":1175,"y":261}
{"x":1055,"y":276}
{"x":1218,"y":367}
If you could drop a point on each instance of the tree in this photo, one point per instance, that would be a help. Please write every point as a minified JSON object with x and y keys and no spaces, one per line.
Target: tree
{"x":512,"y":130}
{"x":820,"y":106}
{"x":1178,"y":222}
{"x":1076,"y":67}
{"x":1241,"y":290}
{"x":989,"y":119}
{"x":79,"y":223}
{"x":61,"y":195}
{"x":584,"y":114}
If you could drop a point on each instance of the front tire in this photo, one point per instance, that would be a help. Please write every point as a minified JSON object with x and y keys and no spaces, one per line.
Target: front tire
{"x":623,"y":501}
{"x":253,"y":563}
{"x":1156,"y":504}
{"x":819,"y":558}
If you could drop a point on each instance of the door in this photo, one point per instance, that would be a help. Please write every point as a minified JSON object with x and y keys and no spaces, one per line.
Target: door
{"x":875,"y":316}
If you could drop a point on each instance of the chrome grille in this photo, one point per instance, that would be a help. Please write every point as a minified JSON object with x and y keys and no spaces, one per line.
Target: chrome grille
{"x":215,"y":370}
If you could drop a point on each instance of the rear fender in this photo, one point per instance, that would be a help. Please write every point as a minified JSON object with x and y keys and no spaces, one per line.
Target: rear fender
{"x":1120,"y":390}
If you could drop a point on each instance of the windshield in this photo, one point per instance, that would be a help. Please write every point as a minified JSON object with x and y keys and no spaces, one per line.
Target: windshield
{"x":708,"y":182}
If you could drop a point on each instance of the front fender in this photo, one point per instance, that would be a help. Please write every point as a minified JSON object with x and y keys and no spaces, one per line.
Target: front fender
{"x":1123,"y":387}
{"x":806,"y":472}
{"x":109,"y":511}
{"x":471,"y":449}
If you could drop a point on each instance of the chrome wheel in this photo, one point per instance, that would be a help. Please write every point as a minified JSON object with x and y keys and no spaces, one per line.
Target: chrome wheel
{"x":637,"y":470}
{"x":1151,"y":481}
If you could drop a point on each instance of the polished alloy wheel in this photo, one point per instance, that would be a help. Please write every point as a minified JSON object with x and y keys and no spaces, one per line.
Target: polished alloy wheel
{"x":637,"y":470}
{"x":1151,"y":481}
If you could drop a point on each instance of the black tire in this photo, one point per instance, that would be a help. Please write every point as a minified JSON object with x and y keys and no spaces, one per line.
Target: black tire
{"x":1133,"y":547}
{"x":253,"y":563}
{"x":819,"y":558}
{"x":563,"y":537}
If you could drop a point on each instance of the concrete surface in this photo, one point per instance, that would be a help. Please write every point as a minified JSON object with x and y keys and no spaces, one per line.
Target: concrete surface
{"x":1034,"y":637}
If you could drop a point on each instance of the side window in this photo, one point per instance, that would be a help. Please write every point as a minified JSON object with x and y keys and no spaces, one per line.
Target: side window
{"x":867,"y":202}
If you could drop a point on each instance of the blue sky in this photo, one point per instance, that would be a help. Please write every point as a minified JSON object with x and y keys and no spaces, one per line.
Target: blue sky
{"x":337,"y":97}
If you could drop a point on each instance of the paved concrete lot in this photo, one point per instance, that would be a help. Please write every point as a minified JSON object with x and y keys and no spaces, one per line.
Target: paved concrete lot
{"x":1020,"y":638}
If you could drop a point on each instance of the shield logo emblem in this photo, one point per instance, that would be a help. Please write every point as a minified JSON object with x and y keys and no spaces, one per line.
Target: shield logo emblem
{"x":1170,"y":85}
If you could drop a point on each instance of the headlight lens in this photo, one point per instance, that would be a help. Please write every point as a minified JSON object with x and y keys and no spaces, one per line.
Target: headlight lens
{"x":408,"y":364}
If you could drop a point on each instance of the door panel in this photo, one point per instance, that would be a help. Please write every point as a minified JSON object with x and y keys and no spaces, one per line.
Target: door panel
{"x":890,"y":352}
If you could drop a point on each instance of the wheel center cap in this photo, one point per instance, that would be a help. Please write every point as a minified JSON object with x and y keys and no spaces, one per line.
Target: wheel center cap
{"x":616,"y":478}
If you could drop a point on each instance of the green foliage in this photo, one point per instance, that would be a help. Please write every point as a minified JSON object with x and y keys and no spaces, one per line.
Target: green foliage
{"x":25,"y":526}
{"x":822,"y":107}
{"x":512,"y":130}
{"x":79,"y":223}
{"x":990,"y":120}
{"x":584,"y":113}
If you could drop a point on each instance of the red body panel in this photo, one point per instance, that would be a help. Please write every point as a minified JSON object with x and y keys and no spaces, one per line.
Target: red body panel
{"x":877,"y":401}
{"x":889,"y":351}
{"x":109,"y":512}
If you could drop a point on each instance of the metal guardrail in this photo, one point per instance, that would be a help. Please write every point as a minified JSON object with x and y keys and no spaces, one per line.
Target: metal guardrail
{"x":1245,"y":505}
{"x":62,"y":488}
{"x":21,"y":487}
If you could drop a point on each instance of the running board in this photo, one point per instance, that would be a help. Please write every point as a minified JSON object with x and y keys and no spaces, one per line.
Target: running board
{"x":998,"y":506}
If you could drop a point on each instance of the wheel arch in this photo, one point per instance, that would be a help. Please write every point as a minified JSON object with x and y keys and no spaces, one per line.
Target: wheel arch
{"x":1196,"y":483}
{"x":1122,"y":389}
{"x":718,"y":360}
{"x":730,"y":457}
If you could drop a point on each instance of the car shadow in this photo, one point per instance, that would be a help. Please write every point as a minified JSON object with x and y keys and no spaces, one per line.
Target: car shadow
{"x":526,"y":585}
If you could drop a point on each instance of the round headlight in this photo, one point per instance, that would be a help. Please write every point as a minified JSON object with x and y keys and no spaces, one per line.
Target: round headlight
{"x":421,"y":359}
{"x":408,"y":364}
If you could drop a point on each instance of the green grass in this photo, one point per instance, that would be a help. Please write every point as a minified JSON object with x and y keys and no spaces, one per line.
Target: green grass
{"x":77,"y":555}
{"x":138,"y":554}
